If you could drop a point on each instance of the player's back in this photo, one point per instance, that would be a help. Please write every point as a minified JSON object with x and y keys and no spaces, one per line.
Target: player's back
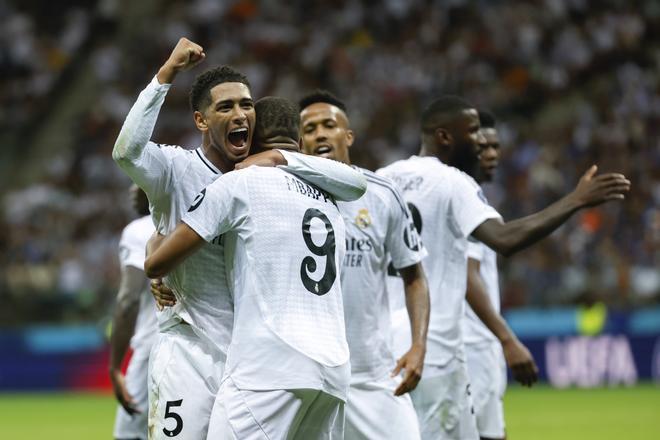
{"x":436,"y":197}
{"x":286,"y":246}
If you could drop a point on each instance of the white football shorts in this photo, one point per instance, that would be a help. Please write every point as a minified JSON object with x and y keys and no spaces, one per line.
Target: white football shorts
{"x":374,"y":412}
{"x":275,"y":414}
{"x":487,"y":370}
{"x":443,"y":403}
{"x":185,"y":374}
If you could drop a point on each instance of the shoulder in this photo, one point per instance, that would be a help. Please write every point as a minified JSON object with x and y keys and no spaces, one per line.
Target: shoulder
{"x":384,"y":188}
{"x":393,"y":167}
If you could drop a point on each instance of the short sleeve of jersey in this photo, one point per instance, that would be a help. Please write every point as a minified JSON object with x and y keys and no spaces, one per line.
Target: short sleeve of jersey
{"x":131,"y":249}
{"x":475,"y":250}
{"x":469,"y":205}
{"x":402,"y":241}
{"x":220,"y":206}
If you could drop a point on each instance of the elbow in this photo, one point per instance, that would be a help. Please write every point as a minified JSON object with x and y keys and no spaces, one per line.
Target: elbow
{"x":358,"y":189}
{"x":118,"y":153}
{"x":507,"y":251}
{"x":362,"y":187}
{"x":504,"y":247}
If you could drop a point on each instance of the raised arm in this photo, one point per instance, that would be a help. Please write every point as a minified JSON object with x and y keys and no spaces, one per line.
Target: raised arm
{"x":518,"y":358}
{"x":141,"y":159}
{"x":513,"y":236}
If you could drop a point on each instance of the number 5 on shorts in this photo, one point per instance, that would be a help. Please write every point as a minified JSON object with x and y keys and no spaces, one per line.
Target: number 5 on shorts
{"x":172,"y":415}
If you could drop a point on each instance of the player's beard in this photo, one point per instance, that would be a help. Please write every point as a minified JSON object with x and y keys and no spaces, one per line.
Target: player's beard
{"x":466,"y":158}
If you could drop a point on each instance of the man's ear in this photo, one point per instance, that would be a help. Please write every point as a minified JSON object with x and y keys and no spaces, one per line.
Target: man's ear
{"x":200,"y":121}
{"x":443,"y":137}
{"x":349,"y":138}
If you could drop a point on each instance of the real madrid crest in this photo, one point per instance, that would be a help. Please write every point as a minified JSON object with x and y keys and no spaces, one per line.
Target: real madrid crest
{"x":363,"y":219}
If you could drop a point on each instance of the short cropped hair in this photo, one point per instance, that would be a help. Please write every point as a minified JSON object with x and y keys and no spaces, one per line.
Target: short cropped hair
{"x":486,"y":119}
{"x":276,"y":117}
{"x":200,"y":92}
{"x":442,"y":110}
{"x":320,"y":95}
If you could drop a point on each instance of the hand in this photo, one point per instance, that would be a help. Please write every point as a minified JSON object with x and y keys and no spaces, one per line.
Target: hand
{"x":184,"y":56}
{"x":593,"y":190}
{"x":413,"y":363}
{"x":269,"y":158}
{"x":162,"y":294}
{"x":121,"y":393}
{"x":521,"y":362}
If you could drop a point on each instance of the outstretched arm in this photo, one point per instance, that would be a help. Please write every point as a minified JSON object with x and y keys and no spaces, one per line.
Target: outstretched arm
{"x":125,"y":315}
{"x":174,"y":248}
{"x":518,"y":358}
{"x":511,"y":237}
{"x":417,"y":303}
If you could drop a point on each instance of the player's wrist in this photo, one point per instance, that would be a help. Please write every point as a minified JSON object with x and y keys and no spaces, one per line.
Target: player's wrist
{"x":506,"y":339}
{"x":419,"y":345}
{"x":575,"y":201}
{"x":166,"y":73}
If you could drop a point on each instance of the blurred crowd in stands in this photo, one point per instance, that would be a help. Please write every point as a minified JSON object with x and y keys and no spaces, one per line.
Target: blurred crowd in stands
{"x":571,"y":82}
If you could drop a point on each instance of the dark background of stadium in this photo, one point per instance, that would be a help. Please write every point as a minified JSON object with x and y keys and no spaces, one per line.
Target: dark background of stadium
{"x":572,"y":82}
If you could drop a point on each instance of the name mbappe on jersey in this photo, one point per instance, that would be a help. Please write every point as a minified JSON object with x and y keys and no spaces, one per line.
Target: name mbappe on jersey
{"x":308,"y":190}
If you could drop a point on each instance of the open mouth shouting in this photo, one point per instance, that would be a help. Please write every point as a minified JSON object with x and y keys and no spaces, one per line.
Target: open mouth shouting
{"x":323,"y":150}
{"x":238,"y":139}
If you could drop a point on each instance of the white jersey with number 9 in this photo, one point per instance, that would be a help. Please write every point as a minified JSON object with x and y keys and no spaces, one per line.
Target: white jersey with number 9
{"x":284,"y":241}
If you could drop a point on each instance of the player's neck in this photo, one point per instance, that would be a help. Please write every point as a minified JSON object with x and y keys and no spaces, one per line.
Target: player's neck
{"x":426,"y":151}
{"x":213,"y":155}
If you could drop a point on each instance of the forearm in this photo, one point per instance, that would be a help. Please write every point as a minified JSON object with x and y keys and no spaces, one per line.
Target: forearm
{"x":478,"y":299}
{"x":513,"y":236}
{"x":340,"y":180}
{"x":154,"y":243}
{"x":139,"y":124}
{"x":123,"y":327}
{"x":174,"y":248}
{"x":417,"y":303}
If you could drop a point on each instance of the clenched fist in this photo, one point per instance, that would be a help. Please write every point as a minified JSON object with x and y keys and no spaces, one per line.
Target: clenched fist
{"x":184,"y":56}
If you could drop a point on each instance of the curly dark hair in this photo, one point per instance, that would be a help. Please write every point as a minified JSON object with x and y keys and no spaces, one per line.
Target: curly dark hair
{"x":200,"y":96}
{"x":320,"y":95}
{"x":276,"y":117}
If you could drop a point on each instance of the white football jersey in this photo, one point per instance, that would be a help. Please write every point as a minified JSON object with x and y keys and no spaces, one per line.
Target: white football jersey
{"x":172,"y":178}
{"x":379,"y":229}
{"x":449,"y":205}
{"x":132,"y":250}
{"x":287,"y":247}
{"x":474,"y":331}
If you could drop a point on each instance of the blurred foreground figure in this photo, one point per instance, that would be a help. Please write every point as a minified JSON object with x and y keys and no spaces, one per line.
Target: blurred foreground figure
{"x":450,"y":208}
{"x":134,"y":324}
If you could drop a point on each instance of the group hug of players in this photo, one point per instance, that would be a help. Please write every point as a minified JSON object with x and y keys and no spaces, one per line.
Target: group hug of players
{"x":305,"y":298}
